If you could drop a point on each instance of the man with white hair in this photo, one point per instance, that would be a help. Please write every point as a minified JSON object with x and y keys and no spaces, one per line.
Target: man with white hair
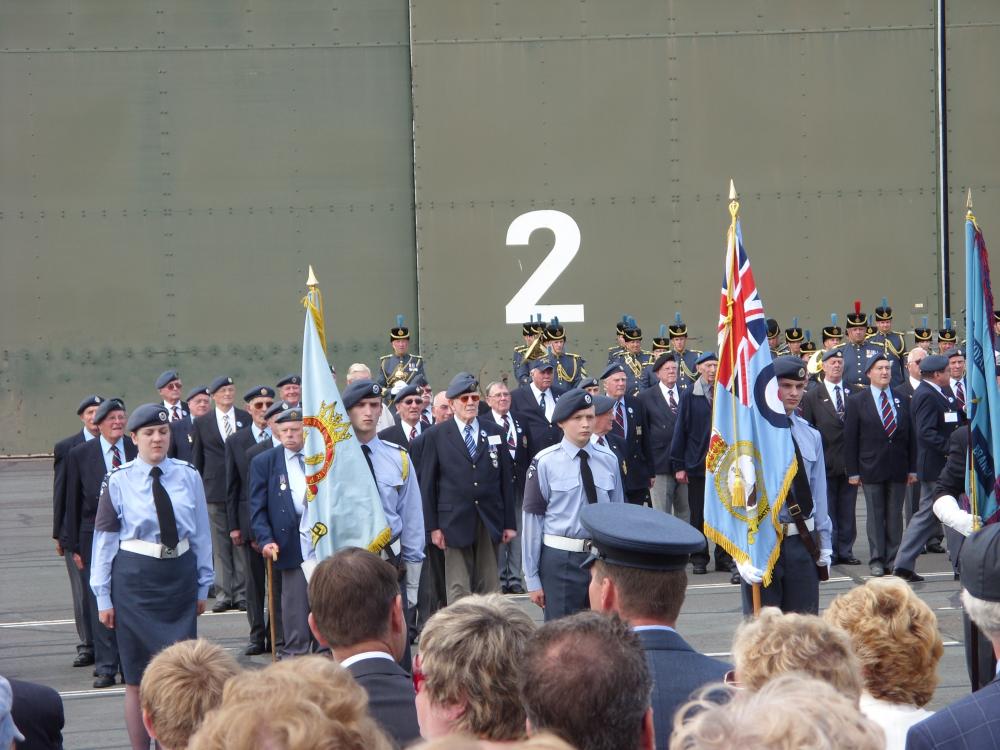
{"x":358,"y":371}
{"x":972,"y":721}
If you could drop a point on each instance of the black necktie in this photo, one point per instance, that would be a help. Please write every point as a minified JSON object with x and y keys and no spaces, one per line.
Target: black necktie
{"x":164,"y":510}
{"x":840,"y":401}
{"x":587,"y":476}
{"x":800,"y":485}
{"x":368,"y":457}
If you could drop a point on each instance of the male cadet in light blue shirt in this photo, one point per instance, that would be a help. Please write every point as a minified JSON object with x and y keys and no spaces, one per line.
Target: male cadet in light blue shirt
{"x":561,"y":480}
{"x":637,"y":564}
{"x":795,"y":580}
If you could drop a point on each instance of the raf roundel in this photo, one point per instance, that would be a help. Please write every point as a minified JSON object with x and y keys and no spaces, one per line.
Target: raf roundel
{"x":588,"y":399}
{"x":263,"y":391}
{"x":376,"y":389}
{"x":163,"y":416}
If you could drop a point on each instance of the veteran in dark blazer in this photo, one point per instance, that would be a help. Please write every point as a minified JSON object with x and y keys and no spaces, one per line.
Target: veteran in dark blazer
{"x":637,"y":569}
{"x":628,"y":423}
{"x":825,"y":406}
{"x":208,"y":454}
{"x":467,"y":485}
{"x":660,"y":403}
{"x":880,"y":454}
{"x":533,"y":404}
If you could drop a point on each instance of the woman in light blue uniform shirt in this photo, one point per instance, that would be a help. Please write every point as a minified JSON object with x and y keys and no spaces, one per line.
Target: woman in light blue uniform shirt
{"x":152,"y":556}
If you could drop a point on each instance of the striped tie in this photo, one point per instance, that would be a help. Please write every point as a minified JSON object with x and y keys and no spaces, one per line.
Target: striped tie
{"x":506,"y":429}
{"x":175,"y":416}
{"x":226,"y":425}
{"x":619,"y":423}
{"x":116,"y":457}
{"x":470,"y":444}
{"x":888,"y":420}
{"x":671,"y":401}
{"x":413,"y":433}
{"x":960,"y":394}
{"x":840,"y":401}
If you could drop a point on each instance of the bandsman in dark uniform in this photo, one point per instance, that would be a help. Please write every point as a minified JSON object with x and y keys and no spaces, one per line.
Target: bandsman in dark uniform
{"x":892,"y":342}
{"x":870,"y":329}
{"x":400,"y":366}
{"x":634,"y":359}
{"x":773,"y":332}
{"x":833,"y":334}
{"x":794,"y":336}
{"x":947,"y":338}
{"x":616,"y":351}
{"x":858,"y":351}
{"x":924,"y":337}
{"x":687,"y":359}
{"x":530,"y":332}
{"x":570,"y":368}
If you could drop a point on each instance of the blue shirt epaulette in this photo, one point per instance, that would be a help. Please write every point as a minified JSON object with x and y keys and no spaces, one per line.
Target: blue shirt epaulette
{"x":543,"y":452}
{"x":182,"y":462}
{"x":602,"y":449}
{"x":394,"y":445}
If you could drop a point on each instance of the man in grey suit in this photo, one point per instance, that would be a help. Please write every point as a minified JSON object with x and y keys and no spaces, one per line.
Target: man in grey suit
{"x":357,"y":610}
{"x":637,"y":567}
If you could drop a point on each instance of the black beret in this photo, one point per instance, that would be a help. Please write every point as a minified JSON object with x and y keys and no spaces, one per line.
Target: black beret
{"x":613,"y":369}
{"x":570,"y":403}
{"x":706,"y":357}
{"x":589,"y":383}
{"x":542,"y":363}
{"x":464,"y":382}
{"x":634,"y":536}
{"x":145,"y":415}
{"x":289,"y":415}
{"x":662,"y":360}
{"x":112,"y":404}
{"x":956,"y":352}
{"x":835,"y":353}
{"x":979,"y":563}
{"x":603,"y":404}
{"x":166,"y":377}
{"x":220,"y":382}
{"x":361,"y":389}
{"x":790,"y":368}
{"x":91,"y":400}
{"x":877,"y":358}
{"x":257,"y":391}
{"x":411,"y":389}
{"x":933,"y":363}
{"x":197,"y":391}
{"x":276,"y":408}
{"x":290,"y":380}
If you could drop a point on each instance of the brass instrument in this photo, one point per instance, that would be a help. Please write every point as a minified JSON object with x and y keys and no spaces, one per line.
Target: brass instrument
{"x":815,"y":364}
{"x":536,"y":349}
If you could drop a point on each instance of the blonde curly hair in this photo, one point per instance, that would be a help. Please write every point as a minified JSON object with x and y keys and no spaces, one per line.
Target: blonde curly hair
{"x":895,"y":635}
{"x":775,"y":643}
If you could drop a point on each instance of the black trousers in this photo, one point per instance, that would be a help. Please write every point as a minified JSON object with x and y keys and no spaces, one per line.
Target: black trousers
{"x":696,"y":501}
{"x":841,"y":500}
{"x":794,"y":581}
{"x":256,"y":568}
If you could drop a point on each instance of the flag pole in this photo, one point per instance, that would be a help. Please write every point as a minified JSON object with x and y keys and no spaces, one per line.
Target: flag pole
{"x":973,"y":494}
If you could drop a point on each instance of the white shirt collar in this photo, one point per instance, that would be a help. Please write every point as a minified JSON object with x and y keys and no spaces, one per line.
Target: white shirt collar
{"x":474,"y":424}
{"x":365,"y":655}
{"x":914,"y":384}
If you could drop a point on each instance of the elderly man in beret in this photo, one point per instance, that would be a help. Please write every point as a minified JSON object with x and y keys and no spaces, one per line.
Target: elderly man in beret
{"x":467,"y":484}
{"x":563,"y":479}
{"x":169,"y":385}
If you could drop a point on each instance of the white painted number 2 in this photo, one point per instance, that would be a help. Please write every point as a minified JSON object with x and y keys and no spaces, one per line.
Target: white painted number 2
{"x":524,"y":304}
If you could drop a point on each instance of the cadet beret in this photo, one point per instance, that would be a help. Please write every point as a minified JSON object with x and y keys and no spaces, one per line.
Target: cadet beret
{"x":836,"y":353}
{"x":589,"y":383}
{"x":166,"y":377}
{"x":361,"y":389}
{"x":462,"y":383}
{"x":145,"y":415}
{"x":289,"y":415}
{"x":613,"y":369}
{"x":197,"y":391}
{"x":410,"y":389}
{"x":570,"y":403}
{"x":662,"y":360}
{"x":276,"y":408}
{"x":603,"y":404}
{"x":257,"y":391}
{"x":220,"y":382}
{"x":91,"y":400}
{"x":956,"y":352}
{"x":112,"y":404}
{"x":542,"y":363}
{"x":706,"y":357}
{"x":874,"y":360}
{"x":634,"y":536}
{"x":290,"y":380}
{"x":979,"y":563}
{"x":789,"y":368}
{"x":933,"y":363}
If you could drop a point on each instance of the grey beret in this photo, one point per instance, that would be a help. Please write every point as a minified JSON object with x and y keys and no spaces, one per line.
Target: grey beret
{"x":570,"y":403}
{"x":112,"y":404}
{"x":91,"y":400}
{"x":220,"y":382}
{"x":167,"y":377}
{"x":145,"y":415}
{"x":464,"y":382}
{"x":361,"y":389}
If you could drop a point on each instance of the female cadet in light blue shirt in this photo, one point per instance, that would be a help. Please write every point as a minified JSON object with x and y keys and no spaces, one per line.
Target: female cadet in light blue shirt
{"x":152,"y":556}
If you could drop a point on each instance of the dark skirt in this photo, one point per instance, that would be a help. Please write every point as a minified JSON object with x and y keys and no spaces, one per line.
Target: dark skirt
{"x":156,"y":604}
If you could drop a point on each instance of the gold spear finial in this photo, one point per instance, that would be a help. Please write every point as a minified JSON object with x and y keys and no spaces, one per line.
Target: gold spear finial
{"x":734,"y":204}
{"x":732,"y":190}
{"x":312,"y":281}
{"x":968,"y":199}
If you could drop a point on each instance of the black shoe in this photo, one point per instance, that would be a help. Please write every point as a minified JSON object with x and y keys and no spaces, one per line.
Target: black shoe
{"x":241,"y":606}
{"x":852,"y":560}
{"x":723,"y":567}
{"x":516,"y":588}
{"x":735,"y":578}
{"x":222,"y":606}
{"x":699,"y":570}
{"x":83,"y":660}
{"x":253,"y":649}
{"x":907,"y":575}
{"x":104,"y":681}
{"x":935,"y":547}
{"x":878,"y":570}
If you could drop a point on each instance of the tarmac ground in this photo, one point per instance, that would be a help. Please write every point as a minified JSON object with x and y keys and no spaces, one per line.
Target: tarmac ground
{"x":38,"y":636}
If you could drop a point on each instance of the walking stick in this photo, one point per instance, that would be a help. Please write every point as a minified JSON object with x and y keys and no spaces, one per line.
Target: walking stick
{"x":270,"y":605}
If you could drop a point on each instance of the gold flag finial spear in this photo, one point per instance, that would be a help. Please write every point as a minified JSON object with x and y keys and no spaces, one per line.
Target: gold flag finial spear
{"x":312,"y":281}
{"x":734,"y":203}
{"x":732,"y":190}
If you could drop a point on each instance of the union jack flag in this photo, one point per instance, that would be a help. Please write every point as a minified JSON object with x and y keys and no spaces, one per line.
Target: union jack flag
{"x":742,"y":325}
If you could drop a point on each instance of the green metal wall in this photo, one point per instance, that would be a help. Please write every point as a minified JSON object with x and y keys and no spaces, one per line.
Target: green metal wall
{"x":168,"y":171}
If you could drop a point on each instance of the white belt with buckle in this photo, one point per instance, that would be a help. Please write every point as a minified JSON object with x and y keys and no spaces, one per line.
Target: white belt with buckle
{"x":791,"y":529}
{"x":565,"y":543}
{"x":152,"y":549}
